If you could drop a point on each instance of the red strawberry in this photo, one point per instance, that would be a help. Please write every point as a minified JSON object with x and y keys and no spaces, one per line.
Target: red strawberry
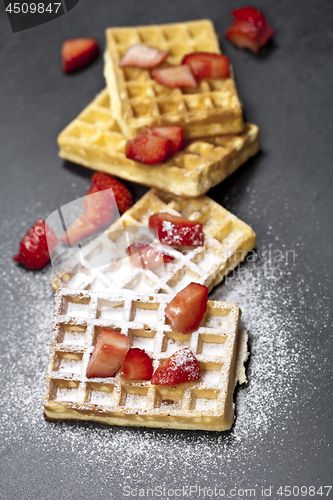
{"x":98,"y":208}
{"x":78,"y":230}
{"x":187,"y":308}
{"x":207,"y":65}
{"x":182,"y":366}
{"x":173,"y":133}
{"x":176,"y":230}
{"x":142,"y":56}
{"x":109,"y":351}
{"x":147,"y":149}
{"x":175,"y":76}
{"x":137,"y":365}
{"x":250,"y":29}
{"x":146,"y":256}
{"x":76,"y":53}
{"x":121,"y":193}
{"x":36,"y":246}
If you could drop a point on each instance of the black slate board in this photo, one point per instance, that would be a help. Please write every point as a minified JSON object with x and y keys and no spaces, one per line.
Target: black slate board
{"x":283,"y":432}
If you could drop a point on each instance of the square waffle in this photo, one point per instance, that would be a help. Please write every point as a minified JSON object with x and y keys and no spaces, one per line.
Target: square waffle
{"x":207,"y":404}
{"x":213,"y":108}
{"x":226,"y":243}
{"x":94,"y":139}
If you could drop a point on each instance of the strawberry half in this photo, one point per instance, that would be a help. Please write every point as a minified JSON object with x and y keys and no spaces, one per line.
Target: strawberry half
{"x":250,"y":29}
{"x":187,"y":308}
{"x":146,"y":256}
{"x":208,"y":65}
{"x":173,"y":133}
{"x":109,"y":351}
{"x":142,"y":56}
{"x":175,"y":76}
{"x":148,"y":149}
{"x":78,"y":230}
{"x":182,"y":366}
{"x":36,"y":246}
{"x":76,"y":53}
{"x":98,"y":208}
{"x":176,"y":230}
{"x":121,"y":193}
{"x":137,"y":365}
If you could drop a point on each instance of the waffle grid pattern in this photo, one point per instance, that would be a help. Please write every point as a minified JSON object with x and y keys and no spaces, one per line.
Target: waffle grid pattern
{"x":78,"y":319}
{"x":227,"y":241}
{"x":138,"y":100}
{"x":94,"y":139}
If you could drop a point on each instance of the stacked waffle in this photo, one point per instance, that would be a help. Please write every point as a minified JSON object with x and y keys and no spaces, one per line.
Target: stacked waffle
{"x":101,"y":288}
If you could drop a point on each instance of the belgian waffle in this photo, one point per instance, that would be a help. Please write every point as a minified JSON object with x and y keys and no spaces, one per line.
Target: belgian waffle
{"x":138,"y":100}
{"x":205,"y":404}
{"x":226,"y":243}
{"x":94,"y":139}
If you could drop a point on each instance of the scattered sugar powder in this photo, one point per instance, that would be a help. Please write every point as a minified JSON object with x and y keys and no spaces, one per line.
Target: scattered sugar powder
{"x":271,"y":316}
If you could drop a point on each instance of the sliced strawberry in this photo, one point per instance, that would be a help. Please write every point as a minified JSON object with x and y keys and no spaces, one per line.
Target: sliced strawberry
{"x":175,"y":76}
{"x":187,"y":308}
{"x":121,"y":193}
{"x":137,"y":365}
{"x":176,"y":230}
{"x":182,"y":366}
{"x":78,"y":230}
{"x":109,"y":351}
{"x":256,"y":18}
{"x":173,"y":133}
{"x":207,"y":65}
{"x":146,"y":256}
{"x":98,"y":208}
{"x":147,"y":149}
{"x":142,"y":56}
{"x":36,"y":246}
{"x":76,"y":53}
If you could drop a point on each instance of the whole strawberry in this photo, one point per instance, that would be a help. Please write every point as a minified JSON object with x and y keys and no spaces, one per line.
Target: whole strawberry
{"x":122,"y":194}
{"x":36,"y":246}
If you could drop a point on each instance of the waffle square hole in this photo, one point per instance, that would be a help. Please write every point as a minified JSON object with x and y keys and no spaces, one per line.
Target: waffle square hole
{"x":209,"y":260}
{"x":169,"y":107}
{"x":204,"y":400}
{"x":145,"y":312}
{"x":174,"y":33}
{"x":98,"y":117}
{"x":68,"y":362}
{"x":141,"y":109}
{"x":210,"y":345}
{"x":150,"y":35}
{"x":135,"y":75}
{"x":110,"y":141}
{"x":82,"y":132}
{"x":64,"y":390}
{"x":125,"y":36}
{"x":210,"y":372}
{"x":133,"y":397}
{"x":174,"y":341}
{"x":220,"y":100}
{"x":71,"y":335}
{"x":142,"y":282}
{"x":182,"y":278}
{"x":140,"y":91}
{"x":143,"y":339}
{"x":217,"y":317}
{"x":99,"y":394}
{"x":168,"y":398}
{"x":178,"y":50}
{"x":77,"y":308}
{"x":200,"y":30}
{"x":108,"y":309}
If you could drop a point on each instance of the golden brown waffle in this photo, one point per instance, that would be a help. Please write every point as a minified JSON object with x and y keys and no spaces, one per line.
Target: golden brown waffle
{"x":227,"y":241}
{"x":138,"y":100}
{"x":94,"y":140}
{"x":205,"y":404}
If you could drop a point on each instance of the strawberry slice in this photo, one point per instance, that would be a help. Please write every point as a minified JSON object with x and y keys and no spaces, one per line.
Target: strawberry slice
{"x":250,"y":29}
{"x":78,"y":230}
{"x":148,"y":149}
{"x":98,"y":208}
{"x":146,"y":256}
{"x":36,"y":246}
{"x":121,"y":193}
{"x":142,"y":56}
{"x":109,"y":351}
{"x":182,"y":366}
{"x":208,"y":65}
{"x":187,"y":308}
{"x":176,"y":230}
{"x":175,"y":76}
{"x":137,"y":365}
{"x":76,"y":53}
{"x":173,"y":133}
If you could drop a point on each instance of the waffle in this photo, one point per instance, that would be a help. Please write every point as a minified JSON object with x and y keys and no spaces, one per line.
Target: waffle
{"x":94,"y":140}
{"x":226,"y":243}
{"x":204,"y":404}
{"x":213,"y":108}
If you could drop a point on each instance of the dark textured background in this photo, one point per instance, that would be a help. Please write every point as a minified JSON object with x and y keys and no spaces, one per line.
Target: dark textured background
{"x":287,"y":91}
